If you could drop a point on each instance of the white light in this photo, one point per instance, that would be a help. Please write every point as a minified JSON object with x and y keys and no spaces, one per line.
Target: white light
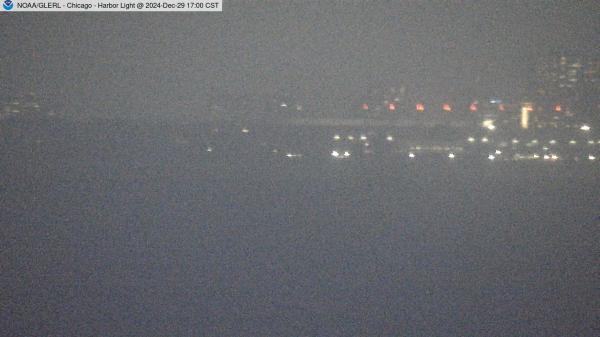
{"x":546,"y":157}
{"x":591,"y":142}
{"x":535,"y":141}
{"x":390,"y":138}
{"x":491,"y":157}
{"x":209,"y":149}
{"x":283,"y":105}
{"x":545,"y":148}
{"x":411,"y":155}
{"x":367,"y":144}
{"x":489,"y":124}
{"x":244,"y":130}
{"x":552,"y":142}
{"x":498,"y":152}
{"x":293,"y":155}
{"x":336,"y":137}
{"x":363,"y":137}
{"x":585,"y":127}
{"x":554,"y":157}
{"x":335,"y":154}
{"x":515,"y":141}
{"x":451,"y":155}
{"x":350,"y":137}
{"x":346,"y":154}
{"x":536,"y":156}
{"x":591,"y":157}
{"x":572,"y":142}
{"x":484,"y":140}
{"x":471,"y":139}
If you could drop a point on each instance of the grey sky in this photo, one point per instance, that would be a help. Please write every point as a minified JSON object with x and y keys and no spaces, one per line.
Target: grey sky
{"x":323,"y":49}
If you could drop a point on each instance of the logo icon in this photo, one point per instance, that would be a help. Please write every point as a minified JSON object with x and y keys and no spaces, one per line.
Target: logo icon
{"x":8,"y":5}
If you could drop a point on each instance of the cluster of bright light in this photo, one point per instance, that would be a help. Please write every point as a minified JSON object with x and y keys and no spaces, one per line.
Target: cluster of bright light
{"x":491,"y":157}
{"x":572,"y":142}
{"x":515,"y":141}
{"x":591,"y":142}
{"x":411,"y":155}
{"x":209,"y":149}
{"x":484,"y":140}
{"x":390,"y":138}
{"x":336,"y":137}
{"x":292,"y":155}
{"x":363,"y":137}
{"x":471,"y":140}
{"x":591,"y":157}
{"x":552,"y":142}
{"x":336,"y":154}
{"x":498,"y":152}
{"x":350,"y":137}
{"x":550,"y":157}
{"x":585,"y":127}
{"x":451,"y":155}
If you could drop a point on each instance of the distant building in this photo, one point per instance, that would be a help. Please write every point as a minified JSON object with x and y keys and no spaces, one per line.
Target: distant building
{"x":568,"y":80}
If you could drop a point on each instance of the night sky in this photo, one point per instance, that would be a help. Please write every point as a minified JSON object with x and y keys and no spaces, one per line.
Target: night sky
{"x":141,"y":226}
{"x":323,"y":51}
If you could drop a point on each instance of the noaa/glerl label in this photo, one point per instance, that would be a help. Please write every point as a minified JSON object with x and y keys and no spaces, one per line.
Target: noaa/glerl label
{"x":112,"y":6}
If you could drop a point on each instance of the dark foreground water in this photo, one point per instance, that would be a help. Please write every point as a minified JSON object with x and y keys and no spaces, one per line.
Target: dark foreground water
{"x":110,"y":232}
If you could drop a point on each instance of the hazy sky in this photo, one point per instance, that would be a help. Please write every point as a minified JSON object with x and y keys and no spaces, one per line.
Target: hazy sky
{"x":326,"y":49}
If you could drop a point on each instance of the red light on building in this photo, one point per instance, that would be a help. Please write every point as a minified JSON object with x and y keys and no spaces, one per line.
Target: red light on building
{"x":473,"y":107}
{"x":446,"y":107}
{"x":365,"y":106}
{"x":420,"y":107}
{"x":392,"y":106}
{"x":501,"y":107}
{"x":558,"y":108}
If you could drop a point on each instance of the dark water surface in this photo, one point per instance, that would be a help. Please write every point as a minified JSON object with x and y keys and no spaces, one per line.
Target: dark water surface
{"x":114,"y":232}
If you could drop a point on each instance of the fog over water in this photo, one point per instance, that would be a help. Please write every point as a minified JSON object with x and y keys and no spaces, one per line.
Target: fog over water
{"x":354,"y":168}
